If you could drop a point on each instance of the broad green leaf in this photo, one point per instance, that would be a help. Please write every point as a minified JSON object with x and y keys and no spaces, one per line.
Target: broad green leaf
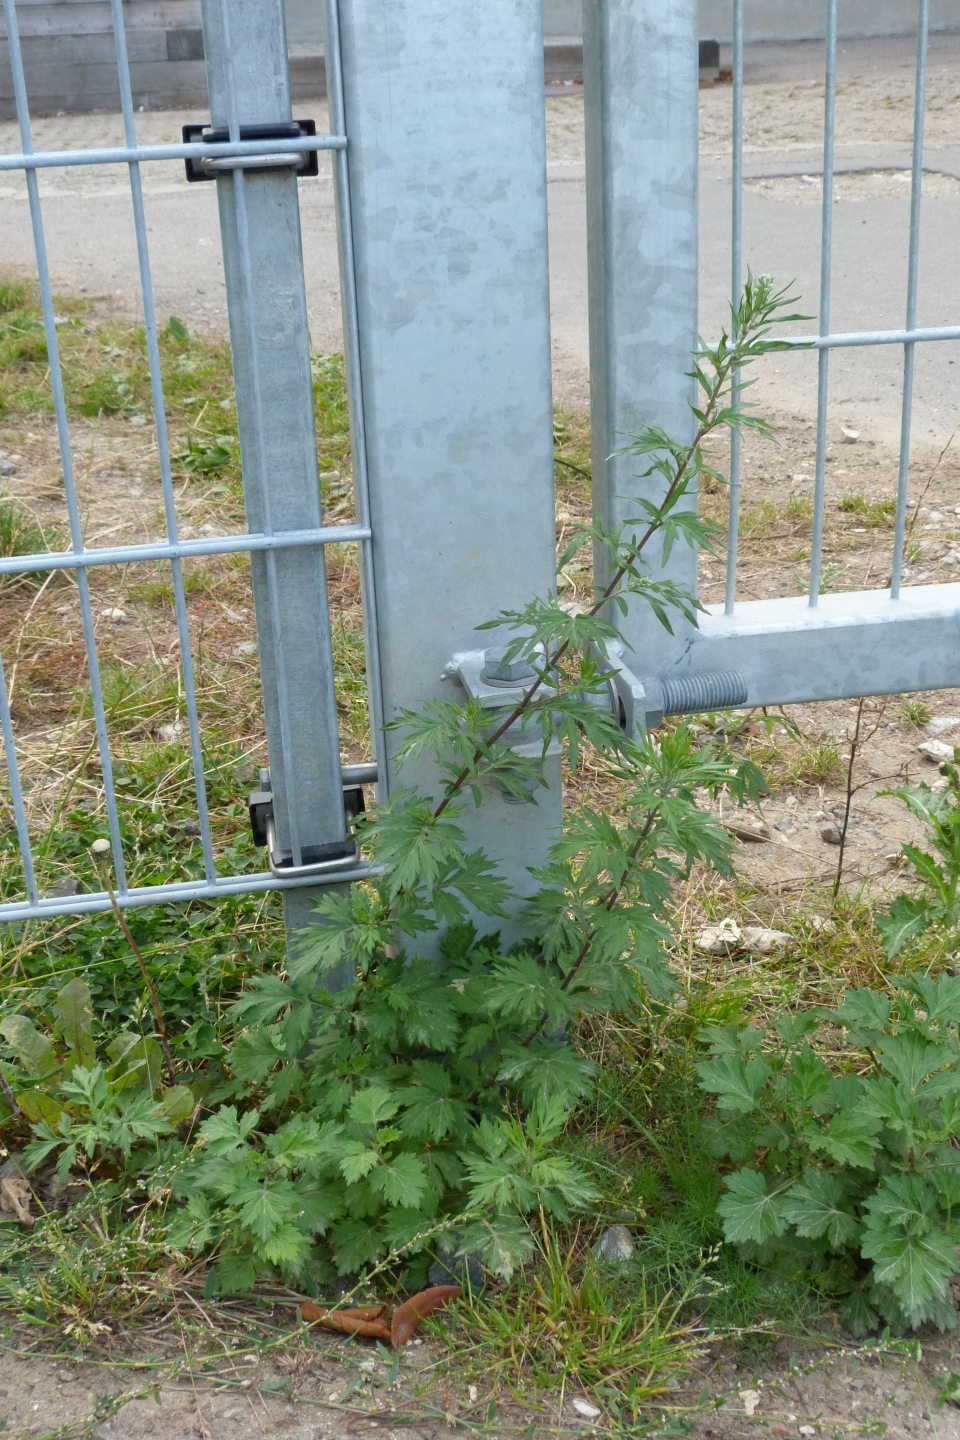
{"x":264,"y":1207}
{"x":794,"y":1028}
{"x":73,"y":1015}
{"x":749,"y":1212}
{"x":849,"y":1139}
{"x":736,"y":1083}
{"x":401,"y":1181}
{"x":357,"y":1161}
{"x":817,"y":1208}
{"x":941,"y":997}
{"x":146,"y":1057}
{"x":864,"y":1008}
{"x":177,"y":1103}
{"x":37,"y":1105}
{"x":907,"y":918}
{"x":903,"y":1200}
{"x":807,"y":1079}
{"x":31,"y":1047}
{"x":910,"y":1059}
{"x":371,"y":1106}
{"x":224,"y":1132}
{"x":916,"y":1267}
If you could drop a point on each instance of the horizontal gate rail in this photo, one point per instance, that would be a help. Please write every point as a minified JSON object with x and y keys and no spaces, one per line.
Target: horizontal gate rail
{"x":173,"y":549}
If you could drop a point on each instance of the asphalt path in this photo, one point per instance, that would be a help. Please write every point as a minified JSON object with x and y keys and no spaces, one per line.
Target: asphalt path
{"x":90,"y":240}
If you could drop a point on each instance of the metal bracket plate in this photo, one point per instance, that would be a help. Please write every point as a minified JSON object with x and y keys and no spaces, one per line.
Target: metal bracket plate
{"x":305,"y":162}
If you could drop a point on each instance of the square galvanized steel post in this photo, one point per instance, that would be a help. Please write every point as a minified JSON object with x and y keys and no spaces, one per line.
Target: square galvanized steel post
{"x":641,"y":81}
{"x":447,"y":164}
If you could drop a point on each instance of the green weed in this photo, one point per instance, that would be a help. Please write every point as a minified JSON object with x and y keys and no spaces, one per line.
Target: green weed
{"x":871,"y":513}
{"x":816,"y":762}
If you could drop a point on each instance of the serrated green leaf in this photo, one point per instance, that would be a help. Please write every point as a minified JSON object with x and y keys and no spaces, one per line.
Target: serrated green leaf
{"x":373,"y":1105}
{"x":737,"y":1084}
{"x":749,"y":1212}
{"x":401,"y":1181}
{"x":849,"y":1139}
{"x":908,"y":917}
{"x":817,"y":1208}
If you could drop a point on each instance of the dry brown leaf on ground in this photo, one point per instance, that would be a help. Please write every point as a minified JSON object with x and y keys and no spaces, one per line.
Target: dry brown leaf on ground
{"x":15,"y":1197}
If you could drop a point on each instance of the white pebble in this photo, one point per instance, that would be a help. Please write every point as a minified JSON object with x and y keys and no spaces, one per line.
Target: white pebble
{"x":721,"y":939}
{"x":936,"y":750}
{"x":588,"y":1411}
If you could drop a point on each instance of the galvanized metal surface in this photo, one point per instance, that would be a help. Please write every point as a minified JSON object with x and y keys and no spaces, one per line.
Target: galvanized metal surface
{"x":641,"y":154}
{"x":448,"y":195}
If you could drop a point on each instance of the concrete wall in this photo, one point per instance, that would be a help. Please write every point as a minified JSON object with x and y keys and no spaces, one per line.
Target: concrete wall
{"x":68,"y":44}
{"x":782,"y":19}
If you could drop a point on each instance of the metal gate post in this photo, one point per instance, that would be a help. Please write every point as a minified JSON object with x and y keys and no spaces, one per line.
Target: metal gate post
{"x":641,"y":80}
{"x":447,"y":163}
{"x":248,"y":80}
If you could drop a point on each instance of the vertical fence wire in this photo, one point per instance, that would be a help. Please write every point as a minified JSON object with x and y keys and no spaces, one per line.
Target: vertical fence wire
{"x":826,"y":267}
{"x":736,"y":282}
{"x":16,"y":792}
{"x":351,"y":327}
{"x":163,"y":440}
{"x":237,"y":181}
{"x":63,"y":436}
{"x":913,"y":272}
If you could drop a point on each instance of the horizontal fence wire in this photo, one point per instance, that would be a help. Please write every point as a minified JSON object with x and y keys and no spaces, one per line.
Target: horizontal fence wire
{"x":196,"y":150}
{"x":909,"y":337}
{"x":80,"y":560}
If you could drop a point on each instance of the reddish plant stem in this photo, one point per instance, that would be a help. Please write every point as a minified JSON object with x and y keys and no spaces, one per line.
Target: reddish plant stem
{"x":5,"y":1085}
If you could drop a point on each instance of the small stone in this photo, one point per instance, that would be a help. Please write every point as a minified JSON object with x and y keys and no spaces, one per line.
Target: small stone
{"x":100,"y":847}
{"x":7,"y":467}
{"x":936,"y":516}
{"x":787,"y":826}
{"x":588,"y":1411}
{"x":830,"y":833}
{"x":62,"y":889}
{"x":246,"y":647}
{"x":721,"y":939}
{"x":807,"y":1429}
{"x":941,"y":723}
{"x":821,"y":926}
{"x":936,"y":751}
{"x":750,"y":1399}
{"x":113,"y":613}
{"x":463,"y":1270}
{"x":66,"y":1377}
{"x":615,"y":1246}
{"x":765,"y":941}
{"x":169,"y":734}
{"x":850,"y":437}
{"x":753,"y":831}
{"x":191,"y":827}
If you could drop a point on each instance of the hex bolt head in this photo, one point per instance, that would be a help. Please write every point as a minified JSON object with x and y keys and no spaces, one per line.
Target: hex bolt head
{"x":498,"y":672}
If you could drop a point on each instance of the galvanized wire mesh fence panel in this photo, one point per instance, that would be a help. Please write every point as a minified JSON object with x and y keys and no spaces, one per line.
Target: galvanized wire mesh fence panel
{"x":232,"y":155}
{"x":825,"y":341}
{"x":641,"y":202}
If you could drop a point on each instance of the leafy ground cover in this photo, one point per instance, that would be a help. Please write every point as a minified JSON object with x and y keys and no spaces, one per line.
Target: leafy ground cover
{"x":522,"y":1109}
